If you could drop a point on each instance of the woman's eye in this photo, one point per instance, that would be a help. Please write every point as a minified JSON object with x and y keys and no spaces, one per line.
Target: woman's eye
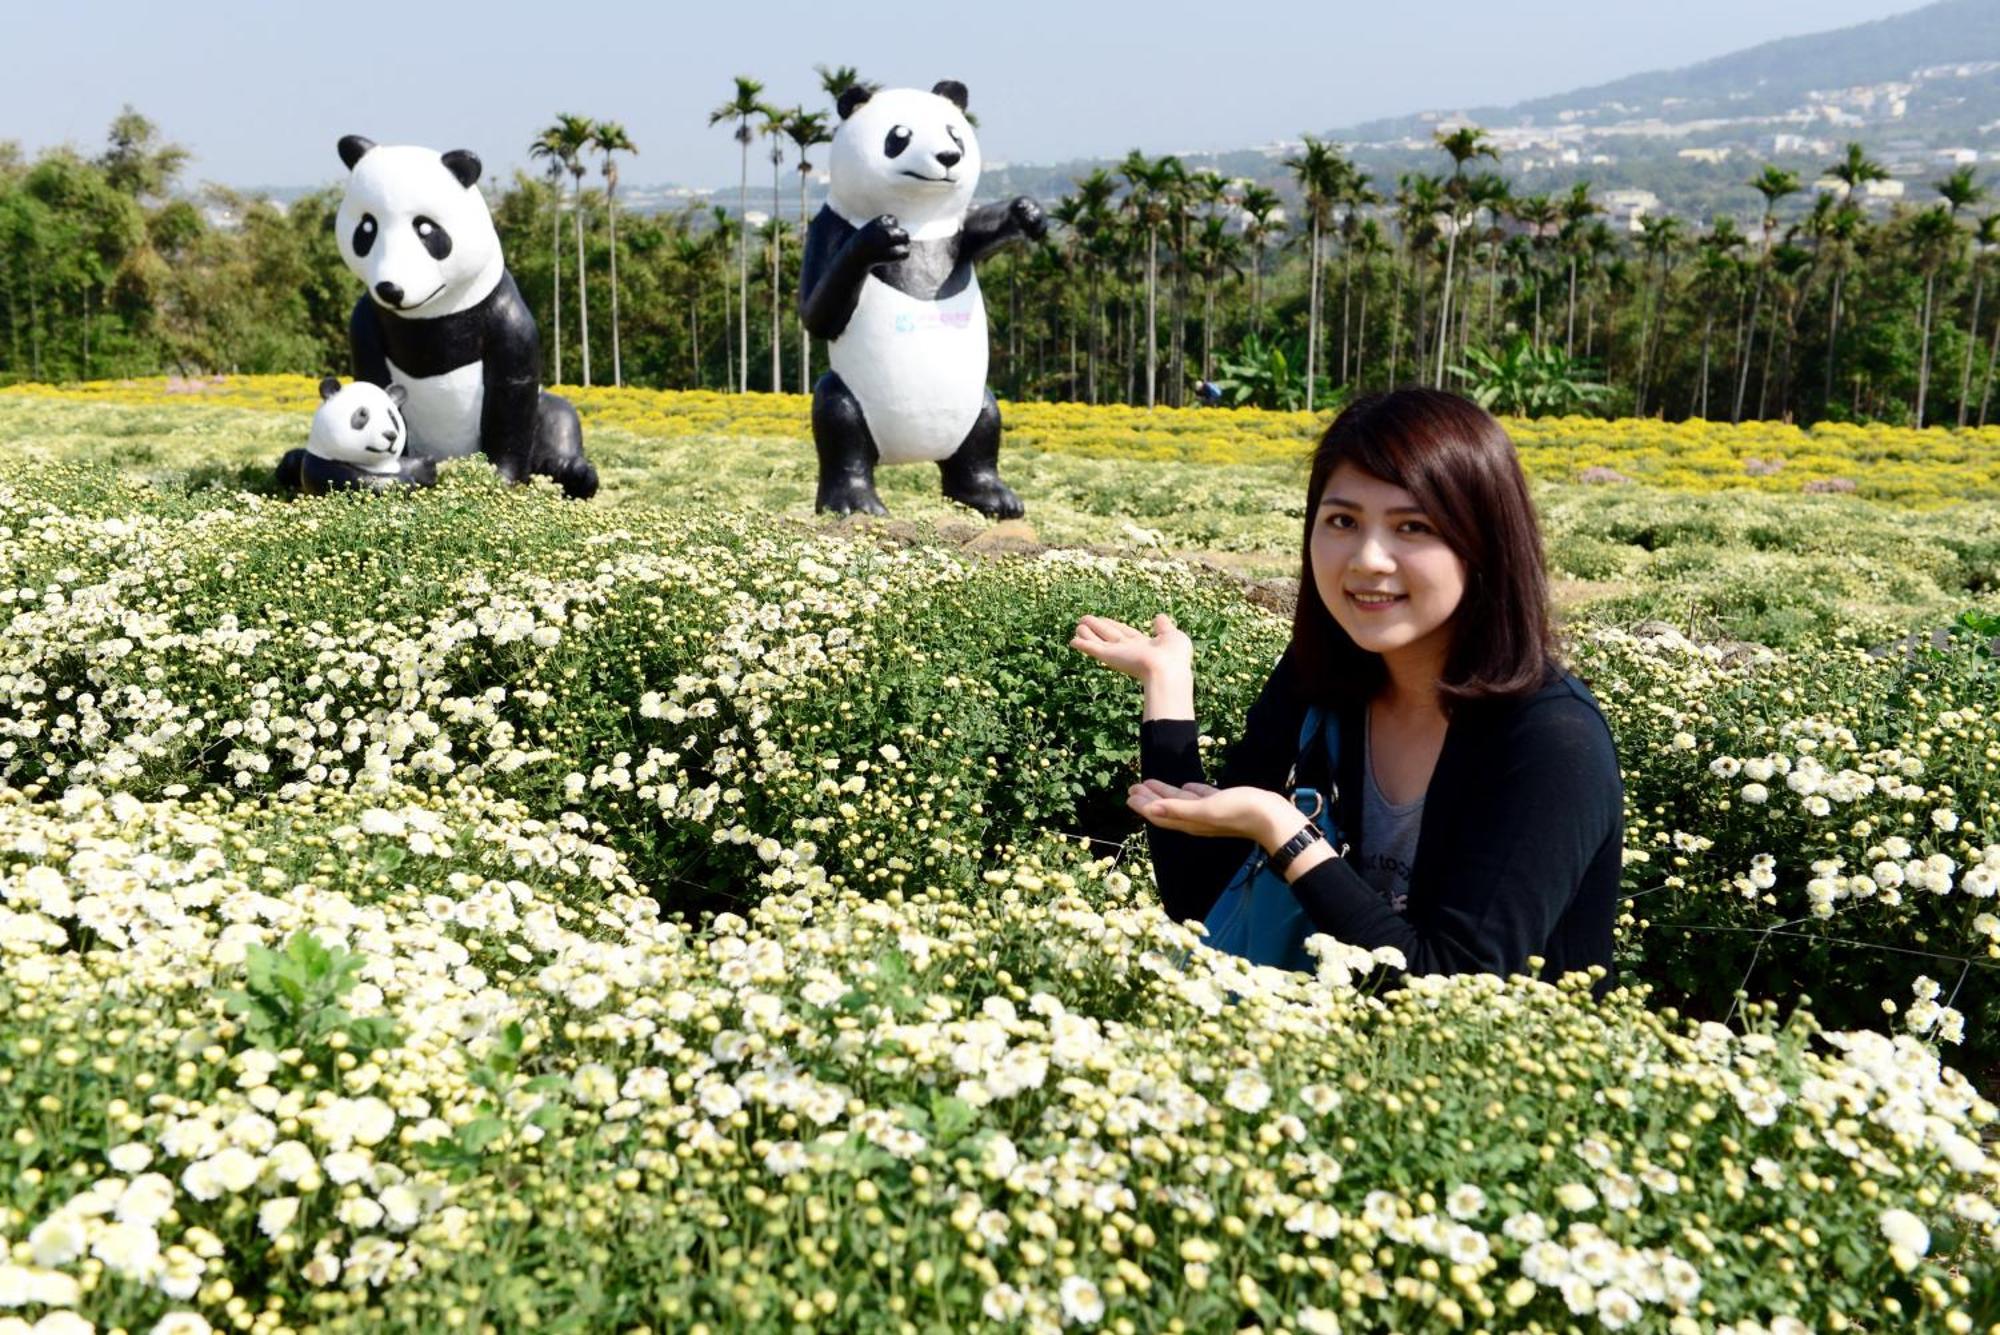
{"x":1417,"y":526}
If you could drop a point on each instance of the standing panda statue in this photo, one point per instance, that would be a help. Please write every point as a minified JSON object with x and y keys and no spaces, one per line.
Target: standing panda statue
{"x":443,"y":319}
{"x":888,"y":281}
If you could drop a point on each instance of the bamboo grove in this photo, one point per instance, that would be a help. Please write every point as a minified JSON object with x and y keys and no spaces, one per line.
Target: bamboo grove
{"x":1159,"y":281}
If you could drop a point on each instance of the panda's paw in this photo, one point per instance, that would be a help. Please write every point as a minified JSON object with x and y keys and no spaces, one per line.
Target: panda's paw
{"x":848,"y":496}
{"x":885,"y":240}
{"x":987,"y":494}
{"x":1028,"y":216}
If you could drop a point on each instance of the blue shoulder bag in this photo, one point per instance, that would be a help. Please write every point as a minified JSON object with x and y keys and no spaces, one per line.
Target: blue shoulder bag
{"x":1258,"y":917}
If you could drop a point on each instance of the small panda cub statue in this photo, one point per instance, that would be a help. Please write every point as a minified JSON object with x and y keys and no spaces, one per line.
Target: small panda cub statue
{"x":888,"y":281}
{"x":358,"y":441}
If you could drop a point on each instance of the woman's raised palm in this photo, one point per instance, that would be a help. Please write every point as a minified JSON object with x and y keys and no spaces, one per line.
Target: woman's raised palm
{"x":1132,"y":651}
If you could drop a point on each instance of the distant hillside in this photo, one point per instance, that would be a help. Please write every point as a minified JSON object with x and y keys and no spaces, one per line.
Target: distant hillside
{"x":1770,"y":79}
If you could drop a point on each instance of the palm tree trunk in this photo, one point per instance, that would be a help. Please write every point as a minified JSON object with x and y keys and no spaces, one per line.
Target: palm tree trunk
{"x":1992,"y":358}
{"x":1833,"y":336}
{"x":1395,"y":322}
{"x":555,"y":267}
{"x":582,"y":290}
{"x":1743,"y":376}
{"x":694,"y":334}
{"x":1444,"y":304}
{"x":1569,"y":338}
{"x":743,"y":262}
{"x":805,"y":335}
{"x":1924,"y":356}
{"x":777,"y":283}
{"x":1707,"y":336}
{"x":1971,"y":342}
{"x":1152,"y":312}
{"x":1312,"y":314}
{"x":1361,"y":332}
{"x":1346,"y":305}
{"x":1091,"y":344}
{"x":611,"y":216}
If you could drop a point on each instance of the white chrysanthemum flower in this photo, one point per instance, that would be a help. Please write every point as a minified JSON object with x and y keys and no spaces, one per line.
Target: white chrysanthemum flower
{"x":785,"y":1158}
{"x":1756,"y":794}
{"x":1318,"y":1321}
{"x":276,"y":1215}
{"x":1081,"y":1301}
{"x":1616,"y":1308}
{"x":1247,"y":1092}
{"x":1906,"y":1231}
{"x":132,"y":1250}
{"x":1465,"y":1201}
{"x":1575,"y":1197}
{"x":130,"y":1158}
{"x":1315,"y":1219}
{"x":1002,"y":1303}
{"x":182,"y":1323}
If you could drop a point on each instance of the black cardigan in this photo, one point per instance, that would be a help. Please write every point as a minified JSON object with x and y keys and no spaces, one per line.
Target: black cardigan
{"x":1520,"y":852}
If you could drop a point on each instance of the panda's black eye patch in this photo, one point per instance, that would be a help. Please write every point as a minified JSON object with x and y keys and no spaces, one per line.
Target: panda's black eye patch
{"x":436,"y":240}
{"x":898,"y":140}
{"x":364,"y":234}
{"x":359,"y":420}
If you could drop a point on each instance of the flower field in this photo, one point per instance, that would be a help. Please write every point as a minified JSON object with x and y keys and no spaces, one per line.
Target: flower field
{"x":471,"y":910}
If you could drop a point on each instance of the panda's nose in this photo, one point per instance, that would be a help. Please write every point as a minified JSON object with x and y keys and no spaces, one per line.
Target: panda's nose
{"x":949,"y":158}
{"x":389,"y":436}
{"x":390,"y":293}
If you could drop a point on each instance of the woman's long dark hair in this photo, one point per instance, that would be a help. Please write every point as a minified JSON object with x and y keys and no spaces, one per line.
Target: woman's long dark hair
{"x":1461,"y":468}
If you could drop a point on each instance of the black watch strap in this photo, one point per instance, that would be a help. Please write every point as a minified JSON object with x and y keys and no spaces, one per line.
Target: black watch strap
{"x":1292,"y":847}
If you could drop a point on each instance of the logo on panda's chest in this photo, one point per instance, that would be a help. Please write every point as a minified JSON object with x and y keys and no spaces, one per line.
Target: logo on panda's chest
{"x":913,"y":322}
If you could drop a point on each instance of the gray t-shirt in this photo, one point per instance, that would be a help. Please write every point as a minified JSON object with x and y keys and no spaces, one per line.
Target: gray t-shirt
{"x":1388,"y":847}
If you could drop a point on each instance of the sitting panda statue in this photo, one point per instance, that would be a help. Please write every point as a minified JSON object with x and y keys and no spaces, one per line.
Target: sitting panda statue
{"x":888,"y":281}
{"x":443,"y":320}
{"x":357,"y":442}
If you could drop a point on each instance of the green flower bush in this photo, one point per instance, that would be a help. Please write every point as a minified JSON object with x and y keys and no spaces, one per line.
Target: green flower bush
{"x":468,"y":909}
{"x":1034,"y":1101}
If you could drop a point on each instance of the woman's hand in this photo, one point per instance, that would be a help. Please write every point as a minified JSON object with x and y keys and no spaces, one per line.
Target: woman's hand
{"x":1165,"y":655}
{"x":1257,"y":814}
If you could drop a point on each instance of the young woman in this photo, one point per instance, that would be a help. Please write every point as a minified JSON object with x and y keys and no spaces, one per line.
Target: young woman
{"x":1476,"y":783}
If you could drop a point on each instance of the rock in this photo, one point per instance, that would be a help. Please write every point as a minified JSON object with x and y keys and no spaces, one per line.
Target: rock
{"x":1601,"y":474}
{"x":1820,"y":486}
{"x":1009,"y":535}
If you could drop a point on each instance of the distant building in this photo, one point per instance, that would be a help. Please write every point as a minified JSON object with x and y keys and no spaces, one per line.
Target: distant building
{"x":1883,"y":189}
{"x":1957,"y":157}
{"x":1714,"y":157}
{"x":1624,"y":208}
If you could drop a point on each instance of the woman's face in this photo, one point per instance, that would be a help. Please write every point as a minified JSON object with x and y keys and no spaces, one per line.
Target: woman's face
{"x":1370,"y":537}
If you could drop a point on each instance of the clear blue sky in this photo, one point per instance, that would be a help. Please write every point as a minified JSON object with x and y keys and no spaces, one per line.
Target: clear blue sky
{"x":261,"y":91}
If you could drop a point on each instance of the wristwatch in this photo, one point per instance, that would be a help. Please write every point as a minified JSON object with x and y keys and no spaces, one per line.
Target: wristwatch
{"x":1292,"y":847}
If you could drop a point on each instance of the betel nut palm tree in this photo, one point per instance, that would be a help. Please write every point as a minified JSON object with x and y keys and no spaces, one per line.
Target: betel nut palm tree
{"x":548,"y":147}
{"x":1320,"y":171}
{"x":741,"y":106}
{"x":572,"y":136}
{"x":806,"y":130}
{"x":1462,"y":145}
{"x":609,"y":138}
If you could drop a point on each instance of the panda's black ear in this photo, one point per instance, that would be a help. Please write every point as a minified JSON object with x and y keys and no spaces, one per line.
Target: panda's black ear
{"x":329,"y":387}
{"x":952,"y":91}
{"x":852,"y":99}
{"x":353,"y":148}
{"x":464,"y":164}
{"x":397,"y":394}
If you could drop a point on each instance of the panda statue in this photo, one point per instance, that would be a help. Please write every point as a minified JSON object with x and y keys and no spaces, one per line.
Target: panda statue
{"x":888,"y":281}
{"x":357,"y":442}
{"x":443,"y":320}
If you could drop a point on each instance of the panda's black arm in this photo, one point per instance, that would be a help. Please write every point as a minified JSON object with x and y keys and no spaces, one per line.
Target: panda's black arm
{"x":829,"y":288}
{"x":837,"y":260}
{"x":991,"y":226}
{"x":364,"y":341}
{"x":511,"y":367}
